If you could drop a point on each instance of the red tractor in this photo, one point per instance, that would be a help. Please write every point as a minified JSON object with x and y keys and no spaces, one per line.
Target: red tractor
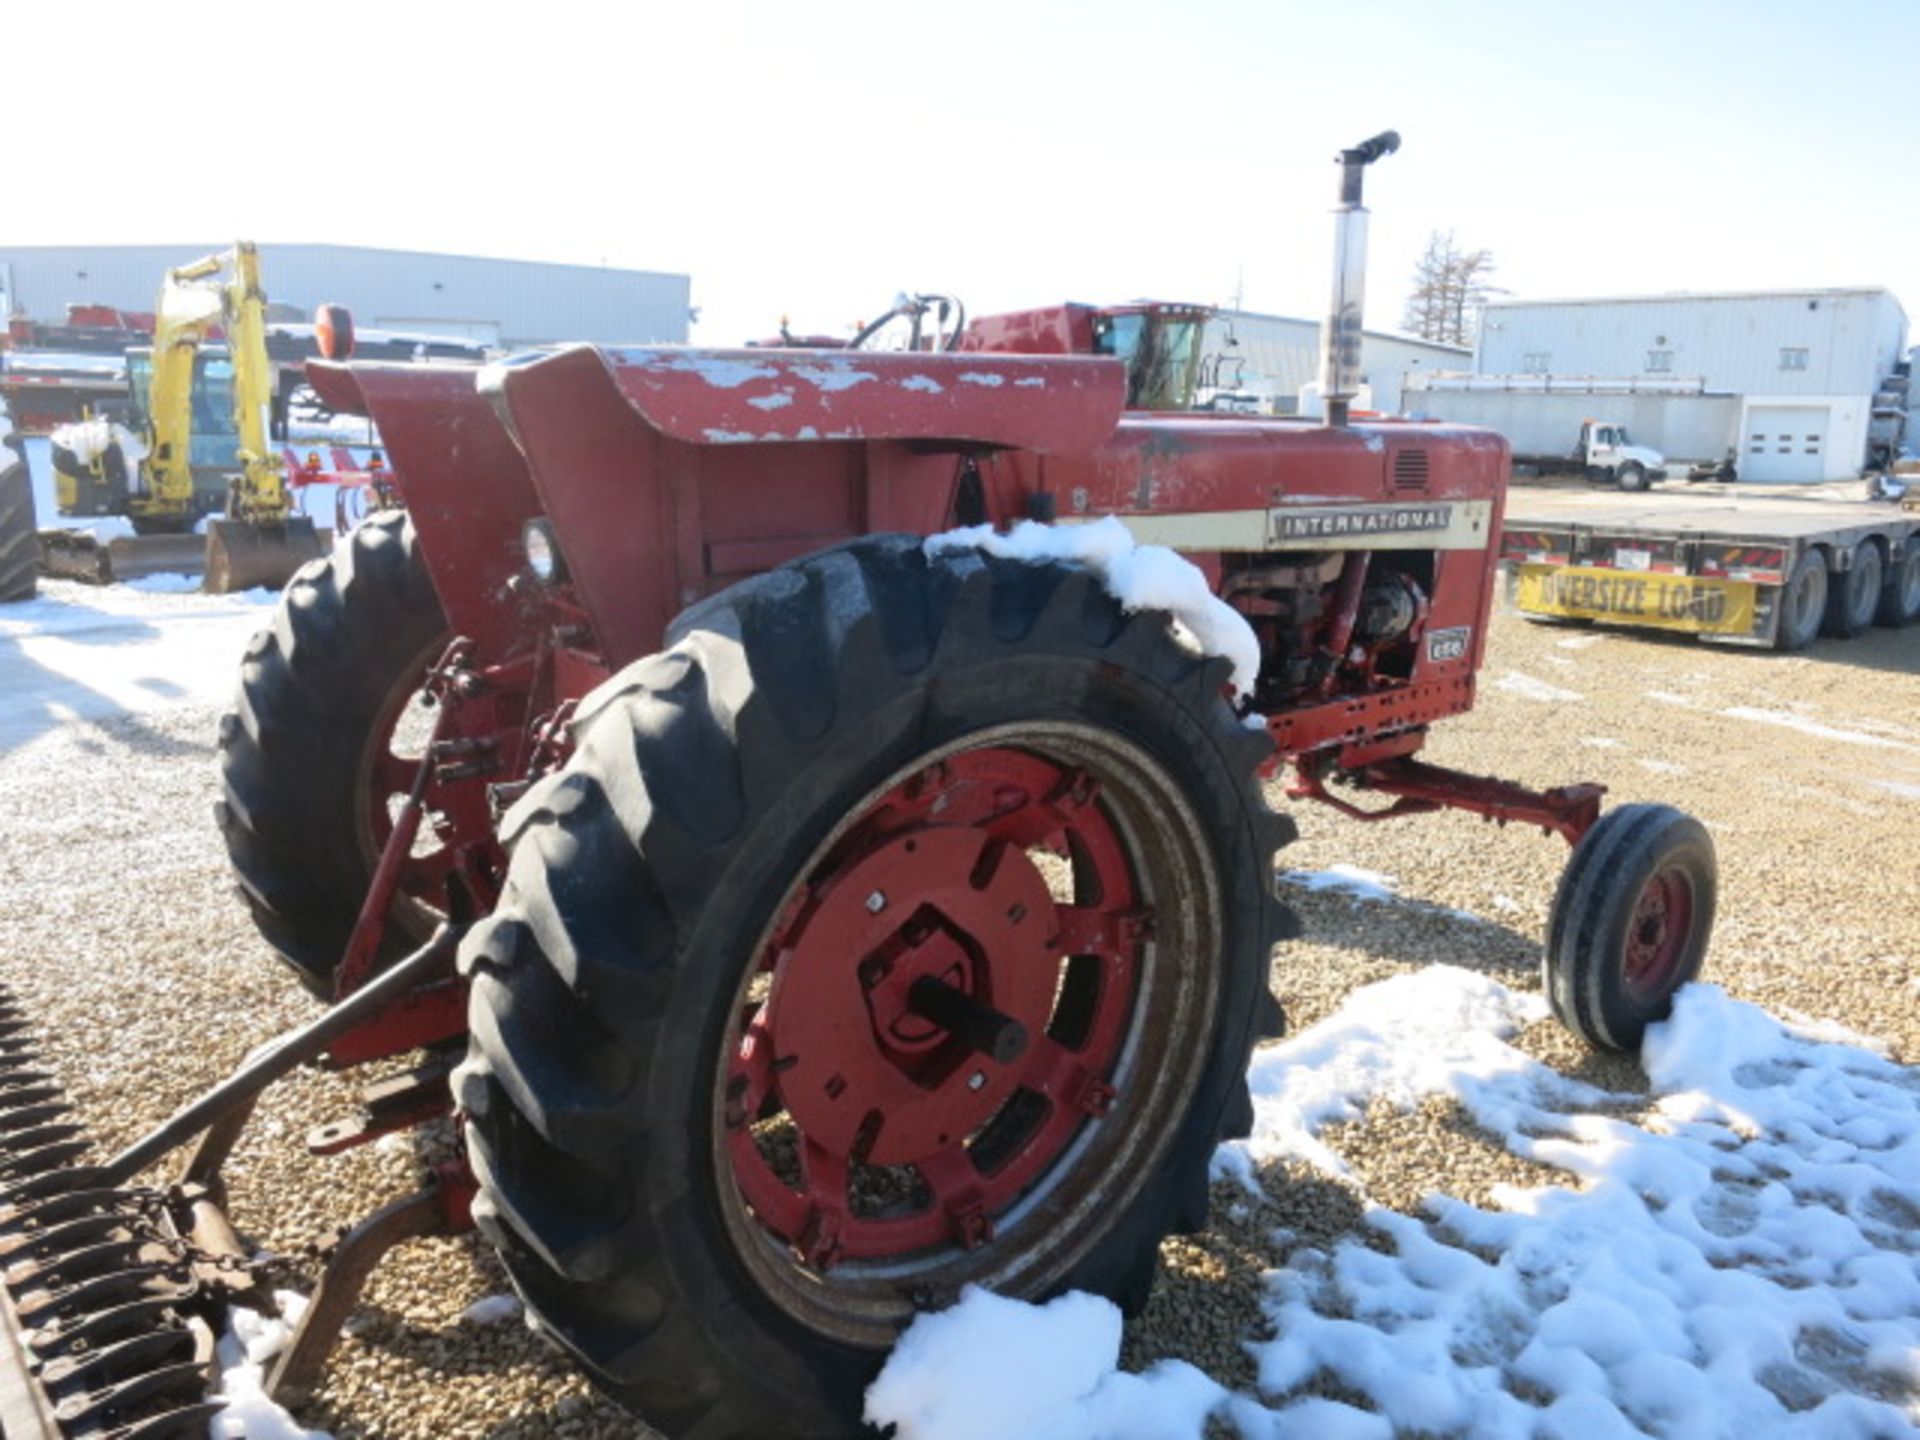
{"x":805,"y":922}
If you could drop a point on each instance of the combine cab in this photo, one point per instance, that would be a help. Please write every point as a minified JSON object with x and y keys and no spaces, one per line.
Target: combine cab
{"x":827,"y":908}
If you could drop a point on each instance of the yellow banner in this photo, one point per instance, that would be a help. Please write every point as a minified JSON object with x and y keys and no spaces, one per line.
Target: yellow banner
{"x":1670,"y":602}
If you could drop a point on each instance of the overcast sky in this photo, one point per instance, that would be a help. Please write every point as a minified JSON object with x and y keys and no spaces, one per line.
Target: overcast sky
{"x":812,"y":159}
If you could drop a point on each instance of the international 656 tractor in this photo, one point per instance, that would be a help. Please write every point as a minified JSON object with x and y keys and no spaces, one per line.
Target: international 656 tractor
{"x":804,"y":921}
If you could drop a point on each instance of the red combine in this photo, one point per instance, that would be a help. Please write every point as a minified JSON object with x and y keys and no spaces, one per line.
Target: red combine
{"x":803,"y":921}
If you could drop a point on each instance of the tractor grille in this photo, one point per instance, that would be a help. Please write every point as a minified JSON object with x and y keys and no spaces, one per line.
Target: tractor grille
{"x":1410,"y":472}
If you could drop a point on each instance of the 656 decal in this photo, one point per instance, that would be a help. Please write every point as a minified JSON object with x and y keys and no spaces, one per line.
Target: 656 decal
{"x":1449,"y":644}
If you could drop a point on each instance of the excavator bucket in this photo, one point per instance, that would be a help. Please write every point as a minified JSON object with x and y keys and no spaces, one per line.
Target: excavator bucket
{"x":81,"y":555}
{"x":242,"y":554}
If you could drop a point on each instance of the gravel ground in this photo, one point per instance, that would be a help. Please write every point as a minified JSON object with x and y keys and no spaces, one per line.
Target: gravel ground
{"x":118,"y":931}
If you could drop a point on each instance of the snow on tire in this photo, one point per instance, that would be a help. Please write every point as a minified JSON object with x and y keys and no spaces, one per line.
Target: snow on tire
{"x":904,"y":926}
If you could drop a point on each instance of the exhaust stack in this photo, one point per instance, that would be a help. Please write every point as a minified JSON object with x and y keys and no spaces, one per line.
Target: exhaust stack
{"x":1340,"y":336}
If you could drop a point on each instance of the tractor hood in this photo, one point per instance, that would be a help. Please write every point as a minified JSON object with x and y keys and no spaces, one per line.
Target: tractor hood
{"x":743,"y":397}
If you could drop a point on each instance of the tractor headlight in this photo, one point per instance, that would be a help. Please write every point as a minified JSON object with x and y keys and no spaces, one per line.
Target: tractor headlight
{"x":543,"y":552}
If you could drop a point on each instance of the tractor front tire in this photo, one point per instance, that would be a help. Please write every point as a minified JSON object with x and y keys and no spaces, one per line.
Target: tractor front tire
{"x":725,"y":1146}
{"x":305,"y":748}
{"x":19,"y":534}
{"x":1630,"y":923}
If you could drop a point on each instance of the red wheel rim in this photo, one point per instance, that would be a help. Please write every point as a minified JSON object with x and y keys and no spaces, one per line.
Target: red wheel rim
{"x":857,"y":1128}
{"x":1658,"y":934}
{"x":395,"y":749}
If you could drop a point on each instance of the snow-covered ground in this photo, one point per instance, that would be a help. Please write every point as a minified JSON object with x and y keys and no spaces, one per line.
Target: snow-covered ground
{"x":1737,"y":1257}
{"x":88,"y":653}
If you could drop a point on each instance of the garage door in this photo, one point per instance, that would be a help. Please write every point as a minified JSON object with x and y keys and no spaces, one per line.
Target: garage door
{"x":1785,"y":443}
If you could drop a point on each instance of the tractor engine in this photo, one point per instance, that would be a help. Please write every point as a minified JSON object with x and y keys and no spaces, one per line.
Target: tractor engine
{"x":1330,"y":623}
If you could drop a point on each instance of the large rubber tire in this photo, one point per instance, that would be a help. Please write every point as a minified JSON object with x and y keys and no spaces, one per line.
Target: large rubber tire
{"x":1631,"y":476}
{"x":19,"y":531}
{"x":1803,"y":601}
{"x":647,"y":877}
{"x":1630,"y":923}
{"x":1900,"y":598}
{"x":1852,"y":601}
{"x":319,"y":689}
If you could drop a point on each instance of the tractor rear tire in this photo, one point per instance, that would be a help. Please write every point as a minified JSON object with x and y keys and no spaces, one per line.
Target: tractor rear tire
{"x":1630,"y":923}
{"x":1803,"y":601}
{"x":718,"y":815}
{"x":321,"y":691}
{"x":1852,"y":602}
{"x":1900,"y":598}
{"x":19,"y":533}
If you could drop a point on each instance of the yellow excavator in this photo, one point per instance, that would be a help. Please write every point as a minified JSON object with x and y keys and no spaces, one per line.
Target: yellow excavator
{"x":145,"y":470}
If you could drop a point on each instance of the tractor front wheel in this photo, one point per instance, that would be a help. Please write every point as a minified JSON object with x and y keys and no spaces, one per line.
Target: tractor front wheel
{"x":319,"y":742}
{"x":1630,"y":923}
{"x":905,"y":926}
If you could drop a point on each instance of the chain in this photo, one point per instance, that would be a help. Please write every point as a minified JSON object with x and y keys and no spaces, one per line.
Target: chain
{"x":267,"y":1271}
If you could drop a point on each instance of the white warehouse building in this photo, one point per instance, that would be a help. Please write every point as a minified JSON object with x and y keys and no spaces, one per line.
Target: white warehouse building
{"x":1274,"y":357}
{"x":1804,"y":370}
{"x":505,"y":303}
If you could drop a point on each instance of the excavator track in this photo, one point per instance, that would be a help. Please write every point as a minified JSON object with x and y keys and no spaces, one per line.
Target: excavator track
{"x":106,"y":1311}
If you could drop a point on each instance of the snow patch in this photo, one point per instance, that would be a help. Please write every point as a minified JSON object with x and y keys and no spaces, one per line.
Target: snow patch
{"x":1532,"y":688}
{"x":1789,"y":721}
{"x":1667,"y":697}
{"x":1140,"y":577}
{"x":165,"y":583}
{"x":91,"y":439}
{"x":251,"y":1341}
{"x":1906,"y":790}
{"x":1349,"y":879}
{"x":1741,"y":1265}
{"x":1663,"y":767}
{"x":1579,"y":642}
{"x":1435,"y":1031}
{"x":1601,"y":742}
{"x":996,"y":1369}
{"x":492,"y":1310}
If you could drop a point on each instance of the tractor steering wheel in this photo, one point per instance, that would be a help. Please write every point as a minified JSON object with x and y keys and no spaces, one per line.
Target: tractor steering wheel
{"x":915,"y":323}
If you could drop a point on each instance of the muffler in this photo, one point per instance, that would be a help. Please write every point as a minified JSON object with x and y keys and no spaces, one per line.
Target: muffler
{"x":1341,"y":337}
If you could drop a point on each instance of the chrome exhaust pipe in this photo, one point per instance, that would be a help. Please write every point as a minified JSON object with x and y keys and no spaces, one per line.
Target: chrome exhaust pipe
{"x":1340,"y":337}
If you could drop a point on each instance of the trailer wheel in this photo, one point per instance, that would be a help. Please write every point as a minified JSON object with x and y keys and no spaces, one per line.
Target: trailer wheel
{"x":19,"y":534}
{"x":906,"y":925}
{"x":1631,"y":476}
{"x":1630,"y":923}
{"x":1900,"y":597}
{"x":1803,"y":601}
{"x":308,"y":753}
{"x":1852,"y":602}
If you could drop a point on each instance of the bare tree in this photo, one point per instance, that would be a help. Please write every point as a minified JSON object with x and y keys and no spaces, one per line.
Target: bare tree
{"x":1450,"y":286}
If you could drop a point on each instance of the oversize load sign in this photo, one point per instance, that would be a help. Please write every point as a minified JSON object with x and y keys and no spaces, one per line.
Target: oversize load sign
{"x":1672,"y":602}
{"x":1363,"y":521}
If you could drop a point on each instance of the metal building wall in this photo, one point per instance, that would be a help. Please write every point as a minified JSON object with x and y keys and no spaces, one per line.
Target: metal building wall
{"x":1278,"y":354}
{"x":1733,"y":342}
{"x":507,"y":302}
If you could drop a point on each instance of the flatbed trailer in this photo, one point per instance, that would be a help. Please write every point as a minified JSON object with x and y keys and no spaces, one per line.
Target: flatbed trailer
{"x":1744,"y":564}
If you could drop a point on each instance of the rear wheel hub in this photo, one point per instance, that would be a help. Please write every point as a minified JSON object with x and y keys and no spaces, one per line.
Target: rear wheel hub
{"x":938,"y":1010}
